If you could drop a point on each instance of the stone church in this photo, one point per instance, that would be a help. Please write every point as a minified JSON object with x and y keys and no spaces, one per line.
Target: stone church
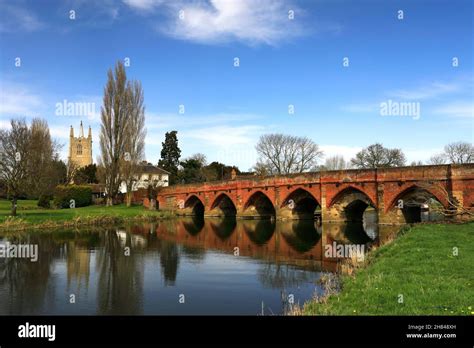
{"x":80,"y":148}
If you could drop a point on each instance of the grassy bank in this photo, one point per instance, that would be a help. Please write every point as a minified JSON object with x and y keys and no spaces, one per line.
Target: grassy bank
{"x":419,"y":265}
{"x":29,"y":215}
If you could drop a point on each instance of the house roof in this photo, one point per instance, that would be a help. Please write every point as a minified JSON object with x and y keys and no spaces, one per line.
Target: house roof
{"x":148,"y":168}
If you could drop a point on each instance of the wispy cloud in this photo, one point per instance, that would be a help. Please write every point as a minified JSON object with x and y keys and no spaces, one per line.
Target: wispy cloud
{"x":4,"y":124}
{"x":347,"y":152}
{"x":456,"y":109}
{"x":225,"y":136}
{"x":431,"y":90}
{"x":17,"y":100}
{"x":417,"y":154}
{"x":263,"y":21}
{"x":217,"y":21}
{"x":360,"y":107}
{"x":143,"y":5}
{"x":14,"y":18}
{"x":170,"y":120}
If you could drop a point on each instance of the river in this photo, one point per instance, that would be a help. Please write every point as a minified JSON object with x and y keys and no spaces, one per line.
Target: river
{"x":174,"y":267}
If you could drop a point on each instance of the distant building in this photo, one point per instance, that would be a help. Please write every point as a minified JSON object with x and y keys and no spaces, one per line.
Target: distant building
{"x":80,"y":148}
{"x":148,"y":173}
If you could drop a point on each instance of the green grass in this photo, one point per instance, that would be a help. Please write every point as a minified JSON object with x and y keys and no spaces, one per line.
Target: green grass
{"x":419,"y":265}
{"x":29,"y":214}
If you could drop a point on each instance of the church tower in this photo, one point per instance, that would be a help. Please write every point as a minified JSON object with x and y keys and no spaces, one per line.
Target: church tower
{"x":80,"y":148}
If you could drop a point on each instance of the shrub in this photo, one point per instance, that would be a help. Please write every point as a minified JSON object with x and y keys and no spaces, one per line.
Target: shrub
{"x":43,"y":201}
{"x":81,"y":194}
{"x":99,"y":201}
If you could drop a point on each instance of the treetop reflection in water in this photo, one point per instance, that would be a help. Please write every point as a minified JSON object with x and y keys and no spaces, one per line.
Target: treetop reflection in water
{"x":221,"y":266}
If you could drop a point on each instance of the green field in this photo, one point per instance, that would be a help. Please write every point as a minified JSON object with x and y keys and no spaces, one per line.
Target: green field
{"x":421,"y":266}
{"x":29,"y":214}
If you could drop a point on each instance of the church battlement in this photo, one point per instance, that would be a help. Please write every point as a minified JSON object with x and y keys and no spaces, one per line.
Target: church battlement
{"x":80,"y":148}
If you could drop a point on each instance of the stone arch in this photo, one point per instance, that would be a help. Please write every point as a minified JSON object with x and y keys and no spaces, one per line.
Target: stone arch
{"x":414,"y":200}
{"x":299,"y":204}
{"x":259,"y":205}
{"x":223,"y":206}
{"x":350,"y":204}
{"x":194,"y":205}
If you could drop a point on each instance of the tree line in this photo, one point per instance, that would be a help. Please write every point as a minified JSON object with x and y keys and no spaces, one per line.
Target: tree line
{"x":285,"y":154}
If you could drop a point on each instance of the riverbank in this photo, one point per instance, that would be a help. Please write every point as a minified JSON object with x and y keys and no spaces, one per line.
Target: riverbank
{"x":427,"y":270}
{"x":30,"y":216}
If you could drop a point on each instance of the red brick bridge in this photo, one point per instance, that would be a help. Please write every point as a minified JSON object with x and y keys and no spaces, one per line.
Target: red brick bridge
{"x":398,"y":195}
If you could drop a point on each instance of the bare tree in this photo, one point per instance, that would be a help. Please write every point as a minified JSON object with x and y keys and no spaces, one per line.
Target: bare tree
{"x":200,"y":158}
{"x":460,"y":152}
{"x":454,"y":209}
{"x":113,"y":134}
{"x":284,"y":154}
{"x":14,"y":163}
{"x":416,"y":163}
{"x":307,"y":155}
{"x":335,"y":163}
{"x":72,"y":168}
{"x":42,"y":151}
{"x":135,"y":138}
{"x":262,"y":169}
{"x":154,"y":186}
{"x":438,"y":159}
{"x":377,"y":156}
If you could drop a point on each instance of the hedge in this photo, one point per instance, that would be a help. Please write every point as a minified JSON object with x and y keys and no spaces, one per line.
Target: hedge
{"x":44,"y":201}
{"x":81,"y":194}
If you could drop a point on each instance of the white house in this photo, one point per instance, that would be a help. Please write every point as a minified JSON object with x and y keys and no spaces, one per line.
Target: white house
{"x":148,"y":173}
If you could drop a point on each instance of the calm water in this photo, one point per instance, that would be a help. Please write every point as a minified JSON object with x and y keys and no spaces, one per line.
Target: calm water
{"x":191,"y":257}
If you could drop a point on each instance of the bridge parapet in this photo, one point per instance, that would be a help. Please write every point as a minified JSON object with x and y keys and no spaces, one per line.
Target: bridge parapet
{"x":381,"y":188}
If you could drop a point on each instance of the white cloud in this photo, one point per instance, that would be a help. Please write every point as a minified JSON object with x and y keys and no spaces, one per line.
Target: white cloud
{"x":250,"y":21}
{"x":170,"y":120}
{"x":225,"y":136}
{"x":143,"y":5}
{"x":4,"y":124}
{"x":217,"y":21}
{"x":59,"y":132}
{"x":429,"y":91}
{"x":14,"y":19}
{"x":415,"y":155}
{"x":456,"y":109}
{"x":17,"y":100}
{"x":347,"y":152}
{"x":360,"y":108}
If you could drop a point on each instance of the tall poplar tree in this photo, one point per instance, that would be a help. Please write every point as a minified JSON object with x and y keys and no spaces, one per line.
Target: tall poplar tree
{"x":113,"y":134}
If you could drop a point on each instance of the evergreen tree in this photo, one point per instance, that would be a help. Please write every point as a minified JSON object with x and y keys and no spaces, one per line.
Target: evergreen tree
{"x":86,"y":175}
{"x":170,"y":154}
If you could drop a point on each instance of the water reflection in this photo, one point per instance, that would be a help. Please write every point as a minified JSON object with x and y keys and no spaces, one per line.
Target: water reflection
{"x":120,"y":275}
{"x":301,"y":235}
{"x":141,"y":268}
{"x":194,"y":226}
{"x":223,"y":228}
{"x":259,"y":231}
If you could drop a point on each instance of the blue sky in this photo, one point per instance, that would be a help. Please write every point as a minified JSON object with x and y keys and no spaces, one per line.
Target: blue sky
{"x":187,"y":58}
